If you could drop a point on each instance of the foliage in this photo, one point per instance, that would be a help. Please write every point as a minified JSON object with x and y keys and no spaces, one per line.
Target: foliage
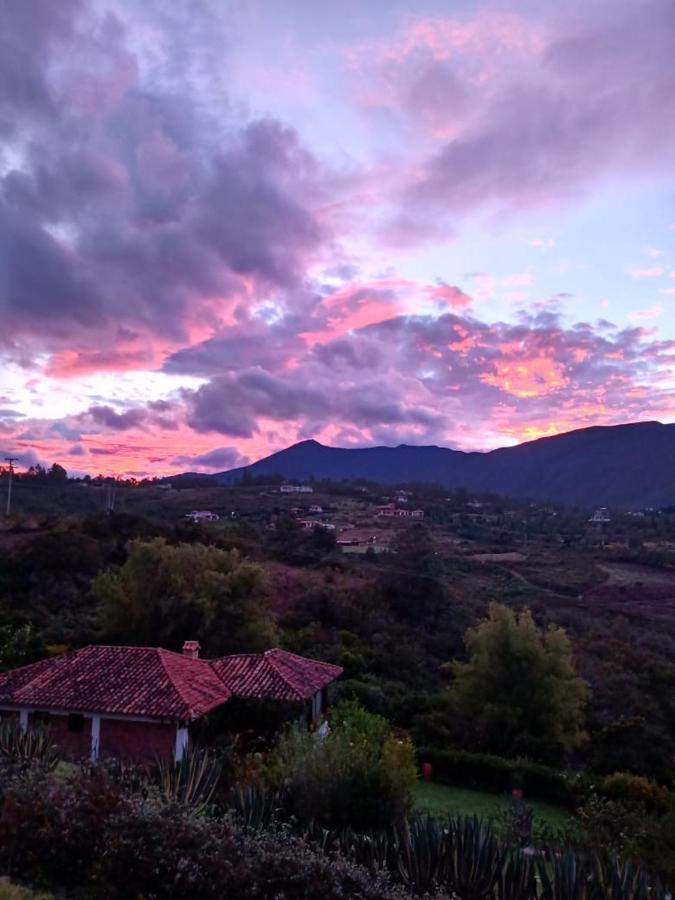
{"x":361,"y":774}
{"x":163,"y":593}
{"x":628,"y":788}
{"x":413,"y":582}
{"x":86,"y":835}
{"x":494,"y":773}
{"x":192,"y":782}
{"x":23,"y":749}
{"x":519,"y":686}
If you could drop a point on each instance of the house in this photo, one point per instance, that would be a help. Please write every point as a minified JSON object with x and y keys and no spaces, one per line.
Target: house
{"x":389,"y":510}
{"x":202,"y":515}
{"x":315,"y":508}
{"x":138,"y":702}
{"x":296,"y":489}
{"x":600,"y":516}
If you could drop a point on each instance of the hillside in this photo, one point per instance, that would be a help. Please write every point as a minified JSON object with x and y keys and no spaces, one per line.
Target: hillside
{"x":629,"y":465}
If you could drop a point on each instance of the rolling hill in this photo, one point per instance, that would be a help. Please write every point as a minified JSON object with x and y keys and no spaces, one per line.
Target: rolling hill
{"x":630,"y":465}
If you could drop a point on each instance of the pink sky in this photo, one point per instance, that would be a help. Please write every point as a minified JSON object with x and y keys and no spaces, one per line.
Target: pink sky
{"x":229,"y":226}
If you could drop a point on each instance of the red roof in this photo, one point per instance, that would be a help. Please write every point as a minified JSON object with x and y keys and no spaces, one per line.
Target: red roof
{"x":156,"y":683}
{"x":275,"y":675}
{"x":131,"y":681}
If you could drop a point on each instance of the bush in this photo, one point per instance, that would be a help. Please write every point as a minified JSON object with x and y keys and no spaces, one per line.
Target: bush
{"x":494,"y":773}
{"x":361,"y":774}
{"x":628,"y":788}
{"x":91,"y":838}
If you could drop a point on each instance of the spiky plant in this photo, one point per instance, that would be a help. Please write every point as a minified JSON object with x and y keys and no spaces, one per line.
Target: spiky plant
{"x":423,"y":847}
{"x":624,"y":879}
{"x":191,"y":782}
{"x":568,"y":876}
{"x":475,"y":859}
{"x":517,"y":880}
{"x":27,"y":748}
{"x":253,"y":806}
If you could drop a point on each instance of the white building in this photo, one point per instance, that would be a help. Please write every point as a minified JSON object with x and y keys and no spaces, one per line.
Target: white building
{"x":202,"y":515}
{"x":296,"y":489}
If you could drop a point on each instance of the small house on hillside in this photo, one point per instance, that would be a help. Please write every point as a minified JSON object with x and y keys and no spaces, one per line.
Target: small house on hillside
{"x":296,"y":489}
{"x":139,"y":702}
{"x":202,"y":515}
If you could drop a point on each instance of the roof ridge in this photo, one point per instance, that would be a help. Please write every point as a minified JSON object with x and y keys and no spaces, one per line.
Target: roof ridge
{"x":176,"y":688}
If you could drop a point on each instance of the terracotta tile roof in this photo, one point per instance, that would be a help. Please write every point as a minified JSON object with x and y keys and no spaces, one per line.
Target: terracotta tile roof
{"x":156,"y":683}
{"x":275,"y":675}
{"x":134,"y":681}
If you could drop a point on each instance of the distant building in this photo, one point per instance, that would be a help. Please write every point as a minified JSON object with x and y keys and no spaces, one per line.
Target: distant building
{"x":202,"y":515}
{"x":316,"y":509}
{"x":296,"y":489}
{"x":600,"y":517}
{"x":389,"y":510}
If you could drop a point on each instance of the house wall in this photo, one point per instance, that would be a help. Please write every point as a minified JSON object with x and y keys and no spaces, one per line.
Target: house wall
{"x":74,"y":744}
{"x":137,"y":741}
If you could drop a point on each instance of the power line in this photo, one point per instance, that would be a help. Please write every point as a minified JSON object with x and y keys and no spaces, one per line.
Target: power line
{"x":11,"y":460}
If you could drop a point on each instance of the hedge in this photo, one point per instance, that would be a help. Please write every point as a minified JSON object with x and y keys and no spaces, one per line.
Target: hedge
{"x":494,"y":773}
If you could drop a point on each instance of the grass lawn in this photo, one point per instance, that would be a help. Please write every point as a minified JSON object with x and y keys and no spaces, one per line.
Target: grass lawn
{"x":441,"y":800}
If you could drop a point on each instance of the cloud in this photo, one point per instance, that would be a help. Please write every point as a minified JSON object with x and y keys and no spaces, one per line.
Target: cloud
{"x":646,"y":315}
{"x":220,"y":459}
{"x":130,"y":206}
{"x":650,"y":272}
{"x":544,"y":112}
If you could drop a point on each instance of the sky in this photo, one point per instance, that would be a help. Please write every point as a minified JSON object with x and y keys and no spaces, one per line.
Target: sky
{"x":230,"y":225}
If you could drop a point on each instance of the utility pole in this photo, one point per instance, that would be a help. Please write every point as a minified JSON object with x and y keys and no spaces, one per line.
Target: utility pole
{"x":11,"y":460}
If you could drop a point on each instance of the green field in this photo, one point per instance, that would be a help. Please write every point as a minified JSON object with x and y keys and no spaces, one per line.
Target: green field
{"x":442,"y":800}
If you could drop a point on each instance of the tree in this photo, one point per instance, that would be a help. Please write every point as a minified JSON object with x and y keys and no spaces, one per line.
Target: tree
{"x":413,"y":584}
{"x":520,"y":687}
{"x":165,"y":594}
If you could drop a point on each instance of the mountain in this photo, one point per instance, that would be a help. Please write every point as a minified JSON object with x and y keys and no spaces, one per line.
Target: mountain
{"x":630,"y":465}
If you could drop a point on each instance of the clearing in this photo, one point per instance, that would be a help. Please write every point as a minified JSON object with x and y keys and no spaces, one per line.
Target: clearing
{"x":443,"y":800}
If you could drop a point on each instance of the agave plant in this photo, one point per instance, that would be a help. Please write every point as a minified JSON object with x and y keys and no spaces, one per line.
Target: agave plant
{"x":517,"y":880}
{"x":191,"y":782}
{"x":623,"y":879}
{"x":475,"y":859}
{"x":253,"y":806}
{"x":422,"y":853}
{"x":568,"y":876}
{"x":27,"y":748}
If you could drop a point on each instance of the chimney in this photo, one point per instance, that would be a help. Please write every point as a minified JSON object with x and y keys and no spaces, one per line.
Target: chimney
{"x":191,"y":649}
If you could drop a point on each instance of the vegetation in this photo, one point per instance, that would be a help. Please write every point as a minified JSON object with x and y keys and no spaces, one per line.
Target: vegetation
{"x":519,"y":689}
{"x":442,"y":800}
{"x":359,"y":774}
{"x":563,"y":689}
{"x":163,"y":592}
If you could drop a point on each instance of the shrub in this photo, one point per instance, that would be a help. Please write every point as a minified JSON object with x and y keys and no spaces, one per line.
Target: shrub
{"x":89,"y":838}
{"x":361,"y":774}
{"x":494,"y":773}
{"x":628,"y":788}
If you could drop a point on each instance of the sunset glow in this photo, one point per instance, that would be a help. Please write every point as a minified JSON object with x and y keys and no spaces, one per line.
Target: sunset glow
{"x":229,"y":226}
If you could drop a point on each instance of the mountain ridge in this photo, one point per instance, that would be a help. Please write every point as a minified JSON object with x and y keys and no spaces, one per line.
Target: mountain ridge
{"x":627,"y":465}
